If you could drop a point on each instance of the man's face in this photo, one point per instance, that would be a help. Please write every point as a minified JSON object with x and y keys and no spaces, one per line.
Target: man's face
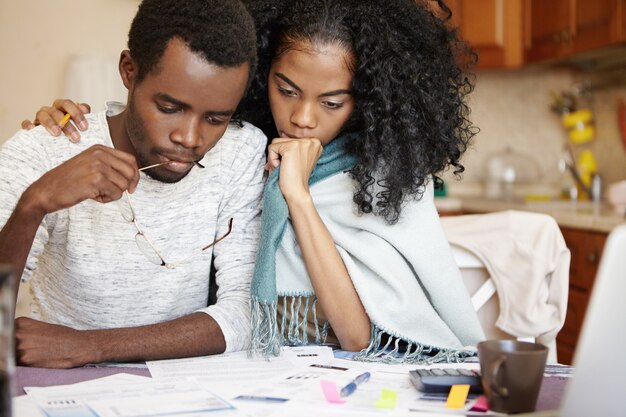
{"x":180,"y":110}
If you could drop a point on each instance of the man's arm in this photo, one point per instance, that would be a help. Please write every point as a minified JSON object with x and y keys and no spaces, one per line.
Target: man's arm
{"x":220,"y":327}
{"x":99,"y":173}
{"x":16,"y":237}
{"x":53,"y":346}
{"x":235,"y":255}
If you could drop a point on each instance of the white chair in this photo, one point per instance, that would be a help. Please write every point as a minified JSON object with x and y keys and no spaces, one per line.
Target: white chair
{"x":532,"y":247}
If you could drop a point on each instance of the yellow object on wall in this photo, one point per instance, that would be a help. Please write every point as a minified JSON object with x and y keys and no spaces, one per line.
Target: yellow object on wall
{"x":580,"y":126}
{"x":587,"y":166}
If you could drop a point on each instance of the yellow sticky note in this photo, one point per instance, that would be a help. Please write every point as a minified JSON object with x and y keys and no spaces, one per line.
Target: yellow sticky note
{"x":457,"y":396}
{"x":388,"y":399}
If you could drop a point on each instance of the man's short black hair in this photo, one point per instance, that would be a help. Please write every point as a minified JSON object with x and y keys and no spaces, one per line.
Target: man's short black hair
{"x":221,"y":31}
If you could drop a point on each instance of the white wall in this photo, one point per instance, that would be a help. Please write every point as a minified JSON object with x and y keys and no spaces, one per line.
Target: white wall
{"x":37,"y":39}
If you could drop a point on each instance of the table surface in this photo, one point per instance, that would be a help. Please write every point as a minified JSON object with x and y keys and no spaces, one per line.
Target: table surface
{"x":43,"y":377}
{"x":550,"y":396}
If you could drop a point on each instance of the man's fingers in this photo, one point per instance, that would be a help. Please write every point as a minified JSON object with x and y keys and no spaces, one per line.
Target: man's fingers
{"x":127,"y":166}
{"x":119,"y":168}
{"x":117,"y":184}
{"x":99,"y":173}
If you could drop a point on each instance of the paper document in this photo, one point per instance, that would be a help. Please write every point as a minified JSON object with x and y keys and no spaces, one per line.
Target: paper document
{"x":302,"y":387}
{"x":116,"y":397}
{"x":231,"y":371}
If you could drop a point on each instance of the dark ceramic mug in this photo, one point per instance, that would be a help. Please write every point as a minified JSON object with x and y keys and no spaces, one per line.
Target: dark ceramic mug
{"x":512,"y":372}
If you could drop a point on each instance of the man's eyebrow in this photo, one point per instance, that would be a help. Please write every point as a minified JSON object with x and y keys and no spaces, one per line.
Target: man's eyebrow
{"x":172,"y":100}
{"x":326,"y":94}
{"x":176,"y":102}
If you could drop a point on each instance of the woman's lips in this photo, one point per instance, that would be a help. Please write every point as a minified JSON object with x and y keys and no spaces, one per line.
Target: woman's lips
{"x":287,"y":135}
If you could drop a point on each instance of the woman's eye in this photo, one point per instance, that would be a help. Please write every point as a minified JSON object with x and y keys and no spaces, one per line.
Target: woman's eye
{"x":286,"y":92}
{"x":332,"y":105}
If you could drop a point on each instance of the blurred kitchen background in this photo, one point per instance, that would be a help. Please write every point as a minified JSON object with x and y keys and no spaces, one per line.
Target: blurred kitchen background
{"x":531,"y":54}
{"x":530,"y":51}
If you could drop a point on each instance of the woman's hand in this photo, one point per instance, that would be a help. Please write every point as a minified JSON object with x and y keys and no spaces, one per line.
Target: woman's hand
{"x":50,"y":118}
{"x":329,"y":276}
{"x":297,"y":158}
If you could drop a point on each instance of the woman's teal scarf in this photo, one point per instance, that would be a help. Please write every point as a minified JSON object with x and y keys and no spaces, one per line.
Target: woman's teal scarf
{"x":265,"y":334}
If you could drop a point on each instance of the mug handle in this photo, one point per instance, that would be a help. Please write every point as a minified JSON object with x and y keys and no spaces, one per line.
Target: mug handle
{"x":494,"y":370}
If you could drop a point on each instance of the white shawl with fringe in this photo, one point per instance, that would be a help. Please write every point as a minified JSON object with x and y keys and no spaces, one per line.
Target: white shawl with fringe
{"x":404,"y":274}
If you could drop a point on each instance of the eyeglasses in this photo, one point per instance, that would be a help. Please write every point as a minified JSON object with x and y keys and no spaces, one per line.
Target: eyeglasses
{"x":145,"y":245}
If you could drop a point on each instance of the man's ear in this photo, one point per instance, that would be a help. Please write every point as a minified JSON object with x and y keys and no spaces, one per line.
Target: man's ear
{"x":128,"y":69}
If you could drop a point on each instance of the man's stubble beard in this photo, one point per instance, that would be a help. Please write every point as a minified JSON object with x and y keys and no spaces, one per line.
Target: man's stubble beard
{"x":137,"y":136}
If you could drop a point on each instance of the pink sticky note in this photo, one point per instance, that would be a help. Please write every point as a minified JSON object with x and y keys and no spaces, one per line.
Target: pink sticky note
{"x":329,"y":388}
{"x":480,"y":404}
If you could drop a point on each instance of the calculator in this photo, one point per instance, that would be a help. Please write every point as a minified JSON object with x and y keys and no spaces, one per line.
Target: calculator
{"x":441,"y":379}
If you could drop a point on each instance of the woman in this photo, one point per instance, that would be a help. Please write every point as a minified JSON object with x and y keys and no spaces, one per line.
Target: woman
{"x":365,"y":102}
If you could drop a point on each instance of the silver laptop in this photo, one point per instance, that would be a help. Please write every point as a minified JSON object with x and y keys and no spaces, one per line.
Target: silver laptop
{"x":598,"y":387}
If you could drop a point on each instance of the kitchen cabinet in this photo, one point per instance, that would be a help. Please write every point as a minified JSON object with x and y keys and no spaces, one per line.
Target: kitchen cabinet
{"x":493,"y":28}
{"x":595,"y":24}
{"x":622,"y":20}
{"x":586,"y":249}
{"x":547,"y":28}
{"x":511,"y":33}
{"x":558,"y":28}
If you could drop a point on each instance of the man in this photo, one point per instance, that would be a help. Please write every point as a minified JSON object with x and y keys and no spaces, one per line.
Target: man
{"x":119,"y":259}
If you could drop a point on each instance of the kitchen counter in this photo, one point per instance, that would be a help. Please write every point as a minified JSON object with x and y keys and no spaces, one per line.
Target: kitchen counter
{"x":587,"y":215}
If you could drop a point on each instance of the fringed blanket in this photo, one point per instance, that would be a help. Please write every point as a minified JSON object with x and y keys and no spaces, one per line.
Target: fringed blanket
{"x":404,"y":274}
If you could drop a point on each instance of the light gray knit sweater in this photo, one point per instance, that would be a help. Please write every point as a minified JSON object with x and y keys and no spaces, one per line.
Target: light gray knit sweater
{"x":85,"y":268}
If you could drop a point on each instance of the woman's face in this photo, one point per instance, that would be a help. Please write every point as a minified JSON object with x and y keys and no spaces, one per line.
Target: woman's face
{"x":310,"y":91}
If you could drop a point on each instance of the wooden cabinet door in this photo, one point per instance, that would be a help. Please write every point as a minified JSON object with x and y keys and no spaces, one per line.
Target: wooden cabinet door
{"x":509,"y":33}
{"x":621,"y":20}
{"x":586,"y":249}
{"x":596,"y":24}
{"x":558,"y":28}
{"x":493,"y":28}
{"x":548,"y":28}
{"x":568,"y":336}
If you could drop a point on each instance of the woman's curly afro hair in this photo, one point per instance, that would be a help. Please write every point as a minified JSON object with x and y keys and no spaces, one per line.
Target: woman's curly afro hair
{"x":409,"y":88}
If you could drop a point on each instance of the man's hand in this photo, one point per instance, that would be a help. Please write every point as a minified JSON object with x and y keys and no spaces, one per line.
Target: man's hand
{"x":50,"y":346}
{"x":100,"y":173}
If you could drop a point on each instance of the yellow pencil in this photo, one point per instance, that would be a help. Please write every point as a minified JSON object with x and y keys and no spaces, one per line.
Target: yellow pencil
{"x":64,"y":120}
